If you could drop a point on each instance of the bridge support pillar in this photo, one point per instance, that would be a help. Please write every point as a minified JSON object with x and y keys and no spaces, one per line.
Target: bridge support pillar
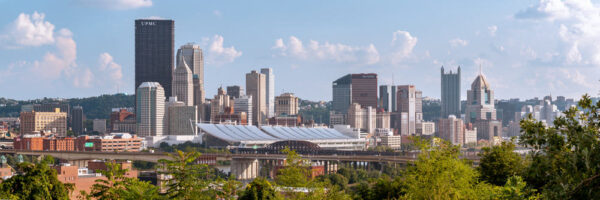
{"x":244,"y":169}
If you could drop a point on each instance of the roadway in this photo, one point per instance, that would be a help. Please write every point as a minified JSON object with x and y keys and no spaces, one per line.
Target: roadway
{"x":154,"y":157}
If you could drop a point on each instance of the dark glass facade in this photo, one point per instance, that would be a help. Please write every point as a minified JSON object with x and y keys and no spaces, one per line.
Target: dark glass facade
{"x":450,"y":93}
{"x":354,"y":88}
{"x":154,"y":52}
{"x":77,"y":120}
{"x":235,"y":91}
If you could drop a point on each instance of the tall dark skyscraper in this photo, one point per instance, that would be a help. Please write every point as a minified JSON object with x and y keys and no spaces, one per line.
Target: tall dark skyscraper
{"x":235,"y":91}
{"x":450,"y":93}
{"x":387,"y":97}
{"x":77,"y":118}
{"x":354,"y":88}
{"x":154,"y":52}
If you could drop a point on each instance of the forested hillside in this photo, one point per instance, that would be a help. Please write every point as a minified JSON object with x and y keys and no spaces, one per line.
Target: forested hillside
{"x":93,"y":107}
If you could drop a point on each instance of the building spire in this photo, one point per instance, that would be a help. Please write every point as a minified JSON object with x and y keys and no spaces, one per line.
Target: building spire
{"x":480,"y":72}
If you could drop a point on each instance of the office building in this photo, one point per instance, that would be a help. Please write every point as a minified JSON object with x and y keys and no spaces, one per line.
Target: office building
{"x":49,"y":107}
{"x":56,"y":122}
{"x":219,"y":104}
{"x":286,"y":104}
{"x":192,"y":55}
{"x":392,"y":141}
{"x":364,"y":119}
{"x":256,"y":86}
{"x":194,"y":58}
{"x":150,"y":110}
{"x":354,"y":88}
{"x":426,"y":128}
{"x":470,"y":134}
{"x":122,"y":120}
{"x":109,"y":143}
{"x":451,"y":129}
{"x":243,"y":106}
{"x":183,"y":86}
{"x":387,"y":98}
{"x":336,"y":118}
{"x":235,"y":91}
{"x":182,"y":119}
{"x":77,"y":119}
{"x":154,"y":52}
{"x":410,"y":109}
{"x":99,"y":125}
{"x":383,"y":120}
{"x":480,"y":110}
{"x":270,"y":91}
{"x":450,"y":93}
{"x":229,"y":117}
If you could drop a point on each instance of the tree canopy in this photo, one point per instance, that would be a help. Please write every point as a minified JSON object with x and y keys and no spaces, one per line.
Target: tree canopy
{"x":565,"y":158}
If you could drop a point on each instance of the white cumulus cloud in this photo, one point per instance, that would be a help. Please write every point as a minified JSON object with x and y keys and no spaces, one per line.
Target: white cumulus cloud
{"x":314,"y":50}
{"x":28,"y":30}
{"x":84,"y":79}
{"x":109,"y":67}
{"x":579,"y":22}
{"x":403,"y":44}
{"x":62,"y":60}
{"x":219,"y":54}
{"x":118,"y":4}
{"x":457,"y":42}
{"x":492,"y":30}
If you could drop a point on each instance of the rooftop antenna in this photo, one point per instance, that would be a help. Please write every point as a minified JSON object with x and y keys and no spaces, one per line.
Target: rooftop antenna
{"x":392,"y":78}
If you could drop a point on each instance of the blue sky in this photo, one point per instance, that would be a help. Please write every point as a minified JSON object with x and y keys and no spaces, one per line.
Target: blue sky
{"x":80,"y":48}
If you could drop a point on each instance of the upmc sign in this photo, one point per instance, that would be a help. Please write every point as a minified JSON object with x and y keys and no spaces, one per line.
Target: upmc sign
{"x":148,"y":23}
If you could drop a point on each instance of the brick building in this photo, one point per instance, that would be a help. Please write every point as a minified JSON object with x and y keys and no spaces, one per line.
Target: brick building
{"x":59,"y":144}
{"x":117,"y":142}
{"x":32,"y":122}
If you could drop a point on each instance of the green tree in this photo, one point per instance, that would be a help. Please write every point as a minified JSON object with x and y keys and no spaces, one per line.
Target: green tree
{"x":229,"y":188}
{"x":188,"y":179}
{"x":335,"y":180}
{"x":499,"y":162}
{"x":136,"y":189}
{"x":295,"y":173}
{"x":259,"y":189}
{"x":117,"y":186}
{"x":515,"y":189}
{"x":565,"y":160}
{"x":35,"y":181}
{"x":111,"y":187}
{"x":439,"y":173}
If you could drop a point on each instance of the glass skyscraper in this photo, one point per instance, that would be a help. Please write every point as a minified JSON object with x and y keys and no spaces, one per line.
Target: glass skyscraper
{"x":154,"y":52}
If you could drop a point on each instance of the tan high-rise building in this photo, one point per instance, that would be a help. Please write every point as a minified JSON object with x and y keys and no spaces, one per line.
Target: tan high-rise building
{"x":42,"y":121}
{"x":480,"y":110}
{"x":383,"y":120}
{"x":410,"y":109}
{"x":286,"y":104}
{"x":150,"y":110}
{"x":243,"y":106}
{"x":193,"y":57}
{"x":182,"y":119}
{"x":256,"y":87}
{"x":219,"y":104}
{"x":451,"y":129}
{"x":183,"y":87}
{"x":362,"y":118}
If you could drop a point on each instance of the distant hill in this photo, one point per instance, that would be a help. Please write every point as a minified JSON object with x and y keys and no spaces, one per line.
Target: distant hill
{"x":93,"y":107}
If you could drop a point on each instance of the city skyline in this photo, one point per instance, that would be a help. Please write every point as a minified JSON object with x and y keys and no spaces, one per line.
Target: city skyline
{"x":46,"y":52}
